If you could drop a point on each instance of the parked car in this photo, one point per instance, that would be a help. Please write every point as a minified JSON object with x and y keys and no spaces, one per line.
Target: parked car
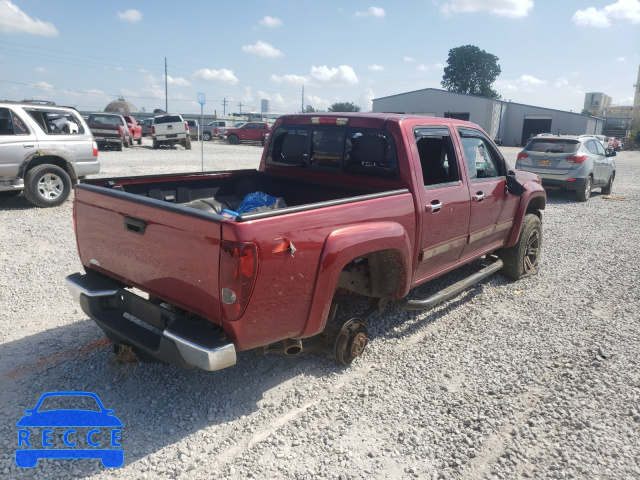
{"x":146,"y":126}
{"x":170,"y":130}
{"x":249,"y":131}
{"x":36,"y":155}
{"x":213,"y":129}
{"x":615,"y":144}
{"x":194,"y":129}
{"x":367,"y":205}
{"x":135,"y":130}
{"x":569,"y":162}
{"x":601,"y":138}
{"x":110,"y":129}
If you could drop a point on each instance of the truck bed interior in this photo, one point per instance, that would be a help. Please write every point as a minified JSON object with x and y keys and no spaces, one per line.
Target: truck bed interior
{"x":216,"y":193}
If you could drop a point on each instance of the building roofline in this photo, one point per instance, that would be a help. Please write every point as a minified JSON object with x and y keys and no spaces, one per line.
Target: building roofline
{"x":506,"y":102}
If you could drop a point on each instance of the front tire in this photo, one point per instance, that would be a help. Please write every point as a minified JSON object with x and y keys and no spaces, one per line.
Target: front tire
{"x":47,"y":186}
{"x":522,"y":259}
{"x":233,"y":139}
{"x":584,"y":194}
{"x":139,"y":141}
{"x":206,"y":136}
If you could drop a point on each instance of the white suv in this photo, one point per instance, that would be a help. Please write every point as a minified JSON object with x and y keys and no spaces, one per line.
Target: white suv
{"x":44,"y":151}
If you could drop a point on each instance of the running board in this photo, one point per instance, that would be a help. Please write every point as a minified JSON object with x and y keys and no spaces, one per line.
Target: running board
{"x":456,"y":288}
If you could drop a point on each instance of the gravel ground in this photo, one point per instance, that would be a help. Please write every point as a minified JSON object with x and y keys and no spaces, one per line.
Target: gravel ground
{"x":533,"y":379}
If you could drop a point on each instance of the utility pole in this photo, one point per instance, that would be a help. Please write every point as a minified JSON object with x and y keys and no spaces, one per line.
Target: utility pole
{"x":224,"y":108}
{"x":240,"y":105}
{"x":166,"y":92}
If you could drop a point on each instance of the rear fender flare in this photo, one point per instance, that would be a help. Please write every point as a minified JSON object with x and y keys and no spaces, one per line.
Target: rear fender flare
{"x":345,"y":245}
{"x":42,"y":157}
{"x":532,"y":201}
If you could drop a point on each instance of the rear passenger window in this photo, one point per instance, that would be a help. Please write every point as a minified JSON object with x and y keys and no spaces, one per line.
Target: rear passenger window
{"x":437,"y":157}
{"x":11,"y":124}
{"x":57,"y":122}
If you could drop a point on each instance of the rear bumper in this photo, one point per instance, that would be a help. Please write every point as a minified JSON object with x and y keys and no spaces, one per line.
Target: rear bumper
{"x":155,"y":332}
{"x":108,"y":139}
{"x":577,"y":184}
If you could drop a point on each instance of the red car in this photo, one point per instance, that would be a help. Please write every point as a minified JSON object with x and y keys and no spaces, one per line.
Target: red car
{"x":135,"y":130}
{"x":250,"y":131}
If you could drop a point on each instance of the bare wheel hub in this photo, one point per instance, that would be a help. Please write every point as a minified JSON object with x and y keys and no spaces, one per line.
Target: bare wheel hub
{"x":351,"y":341}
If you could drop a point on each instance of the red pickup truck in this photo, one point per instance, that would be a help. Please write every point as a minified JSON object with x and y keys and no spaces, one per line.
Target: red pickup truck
{"x":374,"y":205}
{"x":135,"y":130}
{"x":250,"y":131}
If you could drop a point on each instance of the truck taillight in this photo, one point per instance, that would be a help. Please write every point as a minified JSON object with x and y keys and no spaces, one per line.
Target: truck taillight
{"x":329,"y":121}
{"x":95,"y":148}
{"x":186,"y":126}
{"x":522,"y":156}
{"x":120,"y":130}
{"x":238,"y":268}
{"x":153,"y":130}
{"x":577,"y":159}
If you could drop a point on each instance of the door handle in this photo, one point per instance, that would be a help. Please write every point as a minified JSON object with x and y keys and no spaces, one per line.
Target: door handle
{"x":29,"y":146}
{"x":478,"y":197}
{"x":135,"y":225}
{"x":434,"y":207}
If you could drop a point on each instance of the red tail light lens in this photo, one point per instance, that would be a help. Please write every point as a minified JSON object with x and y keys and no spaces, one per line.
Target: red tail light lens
{"x":95,"y":148}
{"x":153,"y":130}
{"x":522,"y":156}
{"x":238,"y":269}
{"x":186,"y":126}
{"x":577,"y":159}
{"x":120,"y":130}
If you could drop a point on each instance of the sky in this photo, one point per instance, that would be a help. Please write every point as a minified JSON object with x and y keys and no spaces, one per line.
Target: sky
{"x":297,"y":52}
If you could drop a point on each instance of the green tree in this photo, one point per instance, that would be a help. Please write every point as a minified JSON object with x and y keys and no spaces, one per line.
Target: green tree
{"x":344,"y":107}
{"x":309,"y":109}
{"x":585,"y":111}
{"x":472,"y":71}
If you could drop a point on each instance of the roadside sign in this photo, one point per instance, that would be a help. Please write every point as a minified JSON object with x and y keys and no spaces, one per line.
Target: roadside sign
{"x":202,"y":98}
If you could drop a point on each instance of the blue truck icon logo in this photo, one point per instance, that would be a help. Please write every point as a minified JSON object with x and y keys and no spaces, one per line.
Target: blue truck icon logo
{"x":50,"y":430}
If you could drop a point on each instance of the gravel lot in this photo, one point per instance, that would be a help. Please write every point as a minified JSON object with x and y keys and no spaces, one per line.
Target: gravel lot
{"x":533,"y":379}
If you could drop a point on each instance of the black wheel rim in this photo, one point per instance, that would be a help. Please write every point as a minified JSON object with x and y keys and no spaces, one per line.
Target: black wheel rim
{"x":532,"y":252}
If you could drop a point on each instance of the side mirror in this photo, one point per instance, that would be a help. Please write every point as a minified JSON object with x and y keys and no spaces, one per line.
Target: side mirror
{"x":513,"y":186}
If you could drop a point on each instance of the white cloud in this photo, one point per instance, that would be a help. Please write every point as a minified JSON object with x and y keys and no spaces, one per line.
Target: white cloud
{"x":423,"y":68}
{"x":223,"y":76}
{"x":501,"y":8}
{"x":131,"y":15}
{"x":529,"y":80}
{"x":621,"y":59}
{"x":562,"y":82}
{"x":365,"y":100}
{"x":263,"y":49}
{"x":408,"y":59}
{"x":41,"y":69}
{"x":14,"y":20}
{"x":178,"y":81}
{"x":622,"y":10}
{"x":43,"y":85}
{"x":270,"y":22}
{"x":372,"y":12}
{"x":291,"y":79}
{"x":376,"y":68}
{"x":317,"y":102}
{"x":341,"y":75}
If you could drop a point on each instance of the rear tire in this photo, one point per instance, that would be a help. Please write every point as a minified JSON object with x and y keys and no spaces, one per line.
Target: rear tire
{"x":139,"y":141}
{"x":47,"y":186}
{"x":606,"y":190}
{"x":120,"y":145}
{"x":522,"y":259}
{"x":233,"y":139}
{"x":155,"y":145}
{"x":584,"y":194}
{"x":187,"y":144}
{"x":206,"y":136}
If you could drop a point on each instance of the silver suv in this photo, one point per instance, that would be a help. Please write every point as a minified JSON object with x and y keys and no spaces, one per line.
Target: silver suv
{"x":569,"y":162}
{"x":44,"y":150}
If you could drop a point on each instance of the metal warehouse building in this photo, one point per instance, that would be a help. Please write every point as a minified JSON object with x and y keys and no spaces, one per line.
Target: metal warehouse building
{"x":511,"y":123}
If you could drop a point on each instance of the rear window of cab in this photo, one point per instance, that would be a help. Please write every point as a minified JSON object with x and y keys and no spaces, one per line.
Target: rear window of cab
{"x":357,"y":151}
